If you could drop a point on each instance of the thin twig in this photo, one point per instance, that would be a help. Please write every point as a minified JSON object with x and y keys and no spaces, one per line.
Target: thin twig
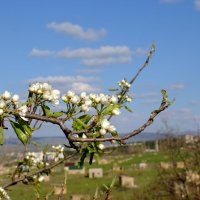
{"x":14,"y":182}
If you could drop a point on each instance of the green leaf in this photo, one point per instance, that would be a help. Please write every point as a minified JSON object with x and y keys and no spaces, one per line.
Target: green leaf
{"x":46,"y":110}
{"x":113,"y":89}
{"x":57,"y":114}
{"x":83,"y":156}
{"x":114,"y":134}
{"x":20,"y":132}
{"x":128,"y":108}
{"x":81,"y":122}
{"x":26,"y":127}
{"x":110,"y":108}
{"x":1,"y":135}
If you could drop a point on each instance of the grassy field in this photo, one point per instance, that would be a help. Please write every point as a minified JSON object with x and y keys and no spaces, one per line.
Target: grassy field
{"x":77,"y":184}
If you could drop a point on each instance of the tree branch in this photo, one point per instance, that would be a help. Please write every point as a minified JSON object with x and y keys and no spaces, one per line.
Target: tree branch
{"x":14,"y":182}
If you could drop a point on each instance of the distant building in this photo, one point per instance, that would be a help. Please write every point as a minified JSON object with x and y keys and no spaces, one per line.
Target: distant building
{"x":75,"y":170}
{"x":142,"y":165}
{"x":126,"y":181}
{"x":164,"y":165}
{"x":180,"y":165}
{"x":189,"y":139}
{"x":95,"y":172}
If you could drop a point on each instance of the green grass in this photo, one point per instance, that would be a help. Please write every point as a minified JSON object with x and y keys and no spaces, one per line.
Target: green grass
{"x":83,"y":185}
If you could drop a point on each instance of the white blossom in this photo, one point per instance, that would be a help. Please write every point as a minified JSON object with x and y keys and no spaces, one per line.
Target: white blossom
{"x":2,"y":104}
{"x":102,"y":131}
{"x":105,"y":124}
{"x":15,"y":98}
{"x":40,"y":179}
{"x":22,"y":112}
{"x":1,"y":111}
{"x":84,"y":108}
{"x":75,"y":99}
{"x":114,"y":99}
{"x":83,"y":95}
{"x":6,"y":95}
{"x":116,"y":111}
{"x":101,"y":146}
{"x":111,"y":129}
{"x":70,"y":93}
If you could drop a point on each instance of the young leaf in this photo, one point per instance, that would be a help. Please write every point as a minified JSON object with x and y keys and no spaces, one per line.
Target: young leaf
{"x":57,"y":114}
{"x":83,"y":156}
{"x":20,"y":132}
{"x":26,"y":127}
{"x":109,"y":109}
{"x":113,"y":89}
{"x":46,"y":110}
{"x":127,"y":108}
{"x":1,"y":135}
{"x":81,"y":122}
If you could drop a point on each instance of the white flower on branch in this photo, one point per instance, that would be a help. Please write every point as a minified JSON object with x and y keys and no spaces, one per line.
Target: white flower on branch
{"x":102,"y":131}
{"x":83,"y":95}
{"x":6,"y":95}
{"x":84,"y":108}
{"x":2,"y":104}
{"x":111,"y":129}
{"x":40,"y":179}
{"x":116,"y":111}
{"x":1,"y":111}
{"x":70,"y":94}
{"x":22,"y":112}
{"x":101,"y":146}
{"x":105,"y":124}
{"x":15,"y":98}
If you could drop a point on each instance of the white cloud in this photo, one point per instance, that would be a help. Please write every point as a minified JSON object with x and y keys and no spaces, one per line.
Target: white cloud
{"x":41,"y":53}
{"x":106,"y":60}
{"x":103,"y":55}
{"x":75,"y":83}
{"x":77,"y":31}
{"x":63,"y":79}
{"x":140,"y":52}
{"x":83,"y":87}
{"x":102,"y":52}
{"x":197,"y":4}
{"x":177,"y":86}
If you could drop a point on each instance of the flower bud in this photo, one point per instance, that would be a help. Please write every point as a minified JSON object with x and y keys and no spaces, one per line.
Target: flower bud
{"x":1,"y":111}
{"x":6,"y":95}
{"x":15,"y":98}
{"x":2,"y":104}
{"x":101,"y":146}
{"x":102,"y":131}
{"x":116,"y":111}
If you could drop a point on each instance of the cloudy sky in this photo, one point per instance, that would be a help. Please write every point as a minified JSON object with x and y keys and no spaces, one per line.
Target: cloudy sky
{"x":90,"y":45}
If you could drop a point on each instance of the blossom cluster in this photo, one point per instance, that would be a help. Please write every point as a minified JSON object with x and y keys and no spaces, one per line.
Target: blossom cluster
{"x":46,"y":91}
{"x":3,"y":194}
{"x":124,"y":84}
{"x":6,"y":99}
{"x":85,"y":102}
{"x":58,"y":152}
{"x":106,"y":127}
{"x":33,"y":160}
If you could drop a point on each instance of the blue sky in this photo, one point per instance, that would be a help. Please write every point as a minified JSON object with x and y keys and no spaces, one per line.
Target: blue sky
{"x":90,"y":45}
